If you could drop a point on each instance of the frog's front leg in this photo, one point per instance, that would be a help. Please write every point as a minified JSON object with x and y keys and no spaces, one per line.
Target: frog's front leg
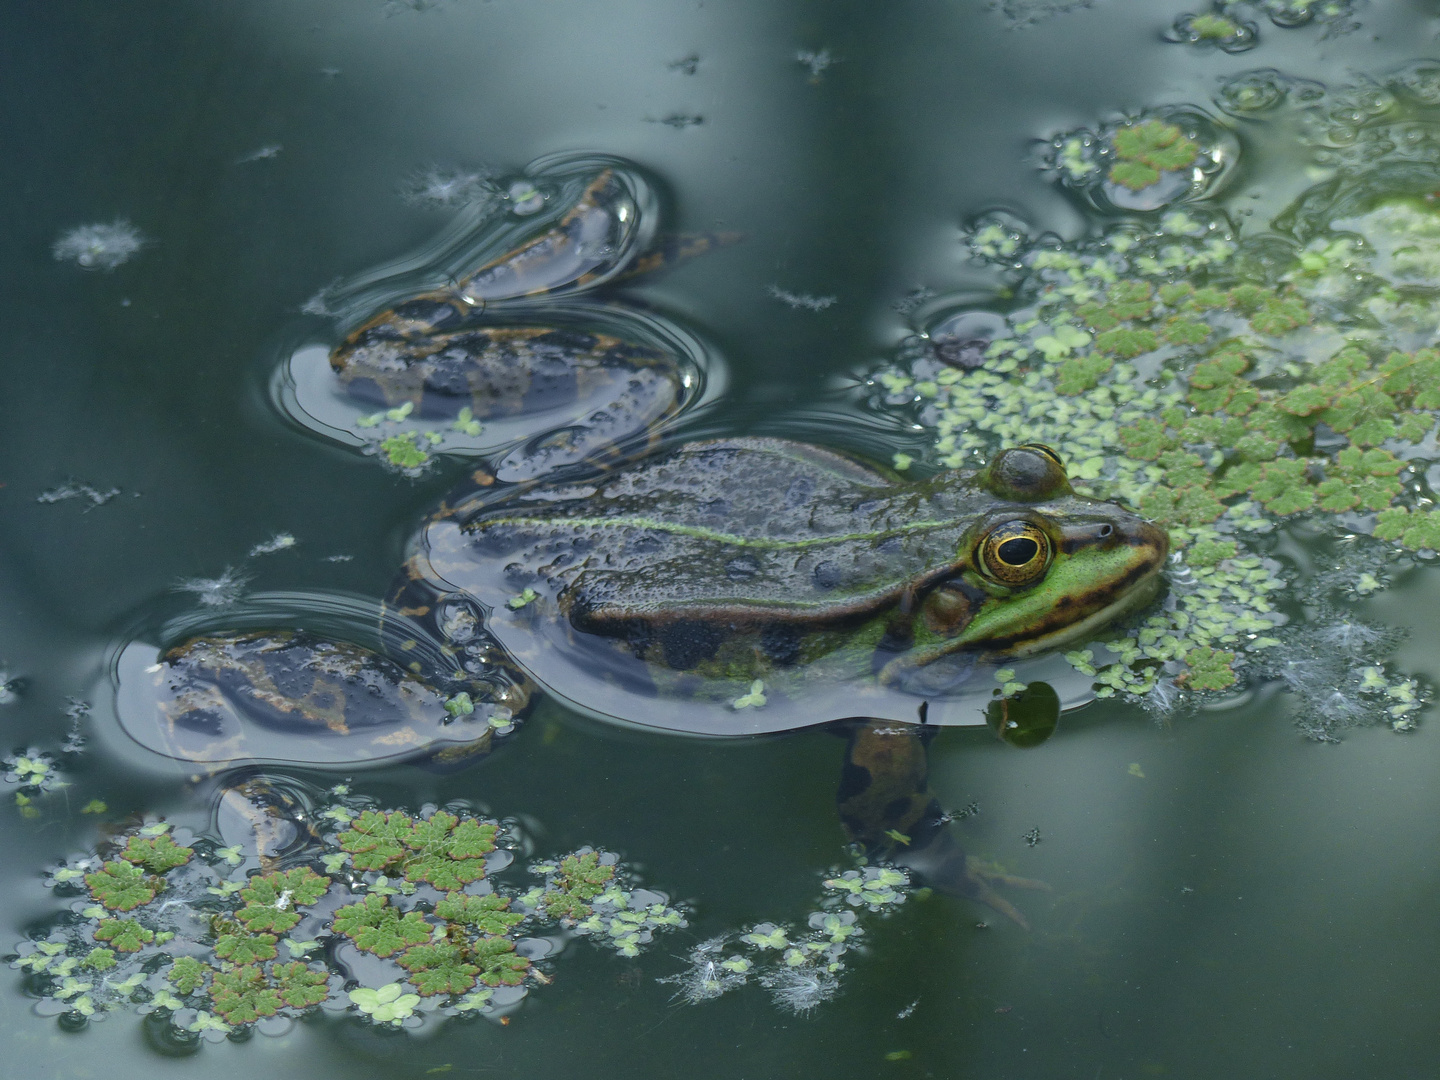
{"x":886,"y":806}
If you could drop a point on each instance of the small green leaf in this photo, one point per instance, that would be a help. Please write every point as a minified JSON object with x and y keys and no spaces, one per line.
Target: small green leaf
{"x":121,"y":885}
{"x":1209,"y":669}
{"x":489,"y":914}
{"x":156,"y":855}
{"x":125,"y":935}
{"x":299,"y":985}
{"x":499,"y":966}
{"x":377,"y":927}
{"x":1126,"y":342}
{"x":187,"y":974}
{"x":243,"y":995}
{"x":439,"y":968}
{"x":241,"y":948}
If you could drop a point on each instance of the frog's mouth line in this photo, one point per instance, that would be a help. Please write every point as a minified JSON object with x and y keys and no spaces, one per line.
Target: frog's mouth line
{"x":1137,"y":595}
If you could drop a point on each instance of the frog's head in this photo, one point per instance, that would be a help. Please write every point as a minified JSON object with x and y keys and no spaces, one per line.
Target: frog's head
{"x":1041,"y":566}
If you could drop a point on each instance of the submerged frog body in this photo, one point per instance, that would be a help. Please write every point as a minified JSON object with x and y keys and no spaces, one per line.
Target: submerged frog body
{"x":737,"y":559}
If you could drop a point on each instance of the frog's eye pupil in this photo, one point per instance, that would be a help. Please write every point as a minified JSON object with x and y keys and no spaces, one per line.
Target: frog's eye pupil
{"x":1015,"y":553}
{"x":1018,"y":551}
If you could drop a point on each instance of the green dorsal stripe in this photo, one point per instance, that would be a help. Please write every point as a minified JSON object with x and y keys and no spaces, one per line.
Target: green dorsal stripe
{"x":701,"y":533}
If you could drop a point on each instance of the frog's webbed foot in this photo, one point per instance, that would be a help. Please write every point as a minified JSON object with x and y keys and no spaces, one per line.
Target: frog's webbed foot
{"x":952,"y":871}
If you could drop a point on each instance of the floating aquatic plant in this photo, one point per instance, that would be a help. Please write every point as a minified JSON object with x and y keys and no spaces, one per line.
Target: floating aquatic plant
{"x":1228,"y":387}
{"x":801,"y":967}
{"x":1141,"y":163}
{"x":156,"y":920}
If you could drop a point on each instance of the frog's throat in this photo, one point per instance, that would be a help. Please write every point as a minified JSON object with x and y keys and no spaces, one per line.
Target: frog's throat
{"x":1141,"y":593}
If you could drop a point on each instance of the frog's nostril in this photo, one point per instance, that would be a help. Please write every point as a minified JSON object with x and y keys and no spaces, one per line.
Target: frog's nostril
{"x":1106,"y":530}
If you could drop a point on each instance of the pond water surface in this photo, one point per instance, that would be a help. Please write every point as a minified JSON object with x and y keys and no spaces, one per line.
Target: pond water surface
{"x":1229,"y":896}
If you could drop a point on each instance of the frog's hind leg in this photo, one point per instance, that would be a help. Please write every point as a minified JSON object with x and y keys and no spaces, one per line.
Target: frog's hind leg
{"x":886,"y":806}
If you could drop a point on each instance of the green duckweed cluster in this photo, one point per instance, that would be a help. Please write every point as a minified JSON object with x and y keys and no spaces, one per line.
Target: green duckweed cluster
{"x":410,"y":446}
{"x":389,"y":916}
{"x":1228,"y":388}
{"x":1147,"y":149}
{"x":1225,"y":25}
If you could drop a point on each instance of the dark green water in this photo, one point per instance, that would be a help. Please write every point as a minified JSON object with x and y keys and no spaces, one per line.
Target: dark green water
{"x":1253,"y":905}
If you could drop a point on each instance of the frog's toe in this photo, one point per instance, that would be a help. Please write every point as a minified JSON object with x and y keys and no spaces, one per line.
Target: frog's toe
{"x":976,"y":884}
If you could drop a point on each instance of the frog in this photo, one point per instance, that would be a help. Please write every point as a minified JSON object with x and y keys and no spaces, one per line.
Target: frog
{"x":729,"y":586}
{"x":705,"y":568}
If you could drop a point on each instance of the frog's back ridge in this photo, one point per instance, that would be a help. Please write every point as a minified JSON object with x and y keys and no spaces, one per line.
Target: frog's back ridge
{"x":803,"y":534}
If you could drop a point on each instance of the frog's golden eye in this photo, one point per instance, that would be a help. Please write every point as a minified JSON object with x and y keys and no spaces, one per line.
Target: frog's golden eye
{"x":1015,"y":553}
{"x":1041,"y":448}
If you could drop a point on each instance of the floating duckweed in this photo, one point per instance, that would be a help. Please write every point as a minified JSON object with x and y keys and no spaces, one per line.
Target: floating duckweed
{"x":801,"y":967}
{"x":403,"y":451}
{"x":165,"y":926}
{"x":755,"y":699}
{"x":1224,"y":395}
{"x":1147,"y":149}
{"x":1144,"y":164}
{"x":32,"y":770}
{"x":524,"y":599}
{"x":1214,"y":29}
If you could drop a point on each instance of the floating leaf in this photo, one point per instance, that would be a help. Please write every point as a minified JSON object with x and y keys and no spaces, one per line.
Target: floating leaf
{"x":241,"y":948}
{"x":299,"y":985}
{"x":373,"y":839}
{"x":125,"y":935}
{"x":1283,"y":487}
{"x":122,"y":886}
{"x":1127,"y":342}
{"x":156,"y":855}
{"x":243,"y":995}
{"x":439,"y":968}
{"x":377,"y":927}
{"x":489,"y":914}
{"x":388,"y":1004}
{"x":187,"y":974}
{"x":1209,"y":669}
{"x":499,"y":966}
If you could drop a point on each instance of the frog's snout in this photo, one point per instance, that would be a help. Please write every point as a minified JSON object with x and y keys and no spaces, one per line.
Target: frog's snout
{"x":1150,"y":541}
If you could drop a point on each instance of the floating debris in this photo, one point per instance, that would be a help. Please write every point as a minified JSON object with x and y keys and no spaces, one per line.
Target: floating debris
{"x":278,"y":542}
{"x":816,"y":62}
{"x":100,"y":246}
{"x":686,"y":65}
{"x":801,"y":301}
{"x":444,"y":189}
{"x":265,"y":153}
{"x":1020,"y":14}
{"x":680,"y":121}
{"x":74,"y":490}
{"x":800,"y":968}
{"x":219,"y":591}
